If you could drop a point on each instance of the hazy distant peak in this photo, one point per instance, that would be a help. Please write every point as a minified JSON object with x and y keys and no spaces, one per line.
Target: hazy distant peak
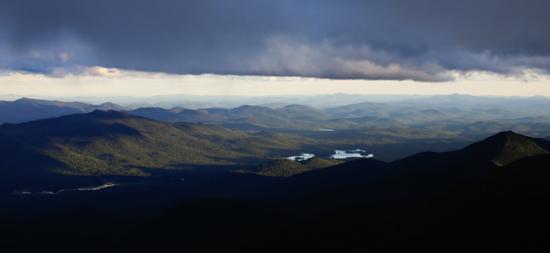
{"x":110,"y":106}
{"x":109,"y":114}
{"x":150,"y":109}
{"x":177,"y":109}
{"x":250,"y":107}
{"x":298,"y":106}
{"x":25,"y":100}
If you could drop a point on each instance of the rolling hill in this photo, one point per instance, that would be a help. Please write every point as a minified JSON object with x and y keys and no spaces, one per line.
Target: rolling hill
{"x":288,"y":117}
{"x":288,"y":168}
{"x":116,"y":143}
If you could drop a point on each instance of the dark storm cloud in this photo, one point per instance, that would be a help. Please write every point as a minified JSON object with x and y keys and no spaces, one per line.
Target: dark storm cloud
{"x":372,"y":39}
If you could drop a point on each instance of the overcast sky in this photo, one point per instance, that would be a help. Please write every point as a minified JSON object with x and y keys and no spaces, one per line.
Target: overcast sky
{"x":351,"y":46}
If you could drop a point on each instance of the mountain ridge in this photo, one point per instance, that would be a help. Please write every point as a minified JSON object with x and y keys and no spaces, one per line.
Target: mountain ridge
{"x":117,"y":143}
{"x":289,"y":168}
{"x":29,"y":109}
{"x":473,"y":161}
{"x":509,"y":146}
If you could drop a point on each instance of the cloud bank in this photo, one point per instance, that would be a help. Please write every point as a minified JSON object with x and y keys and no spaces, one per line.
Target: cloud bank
{"x":422,"y":40}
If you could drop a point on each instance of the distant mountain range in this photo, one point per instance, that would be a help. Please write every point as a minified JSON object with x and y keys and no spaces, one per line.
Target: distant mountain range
{"x":407,"y":126}
{"x":292,"y":116}
{"x":25,"y":109}
{"x":442,"y":115}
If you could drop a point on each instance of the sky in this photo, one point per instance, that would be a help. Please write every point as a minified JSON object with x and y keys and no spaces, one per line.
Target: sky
{"x":283,"y":47}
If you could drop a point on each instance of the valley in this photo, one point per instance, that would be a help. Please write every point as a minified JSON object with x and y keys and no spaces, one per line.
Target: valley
{"x":277,"y":171}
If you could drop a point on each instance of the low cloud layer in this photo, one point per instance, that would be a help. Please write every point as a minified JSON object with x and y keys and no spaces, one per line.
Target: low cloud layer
{"x":422,"y":40}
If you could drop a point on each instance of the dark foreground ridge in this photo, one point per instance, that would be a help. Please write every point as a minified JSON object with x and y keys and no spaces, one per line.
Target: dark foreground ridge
{"x":491,"y":195}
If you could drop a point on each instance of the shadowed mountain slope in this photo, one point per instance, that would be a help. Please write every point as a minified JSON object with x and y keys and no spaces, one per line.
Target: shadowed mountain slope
{"x":319,"y":163}
{"x":281,"y":168}
{"x":429,"y":202}
{"x":427,"y":170}
{"x":116,"y":143}
{"x":505,"y":148}
{"x":497,"y":150}
{"x":355,"y":171}
{"x":287,"y":168}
